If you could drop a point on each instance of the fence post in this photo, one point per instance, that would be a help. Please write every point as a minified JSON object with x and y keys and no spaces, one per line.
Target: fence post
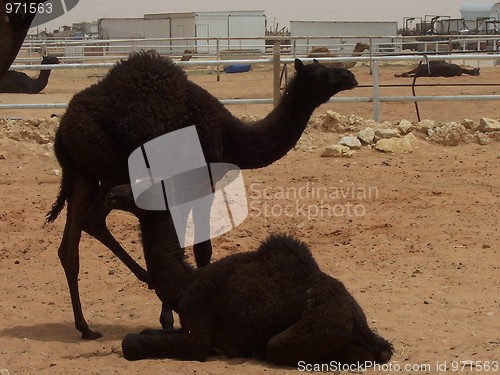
{"x":217,"y":52}
{"x":376,"y":91}
{"x":276,"y":72}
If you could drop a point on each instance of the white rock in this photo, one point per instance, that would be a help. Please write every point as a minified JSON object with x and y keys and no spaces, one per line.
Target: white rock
{"x":350,"y":141}
{"x":337,"y":150}
{"x":386,"y":133}
{"x":482,"y":138}
{"x":367,"y":135}
{"x":489,"y":125}
{"x":424,"y":125}
{"x":451,"y":134}
{"x":469,"y":124}
{"x":411,"y":137}
{"x":394,"y":145}
{"x":404,"y":126}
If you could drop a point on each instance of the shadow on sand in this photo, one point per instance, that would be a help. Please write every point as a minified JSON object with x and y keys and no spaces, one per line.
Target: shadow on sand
{"x":66,"y":332}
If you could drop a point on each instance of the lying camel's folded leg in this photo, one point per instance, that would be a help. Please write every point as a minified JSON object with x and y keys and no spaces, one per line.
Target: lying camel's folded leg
{"x":174,"y":345}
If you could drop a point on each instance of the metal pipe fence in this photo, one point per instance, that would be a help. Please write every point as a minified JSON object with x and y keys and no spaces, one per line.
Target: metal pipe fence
{"x":279,"y":59}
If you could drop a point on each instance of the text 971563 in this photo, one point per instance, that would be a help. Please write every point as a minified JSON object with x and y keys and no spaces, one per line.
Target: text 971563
{"x":25,"y":8}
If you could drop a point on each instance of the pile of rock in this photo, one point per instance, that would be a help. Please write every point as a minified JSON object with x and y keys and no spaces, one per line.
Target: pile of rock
{"x":41,"y":131}
{"x":401,"y":136}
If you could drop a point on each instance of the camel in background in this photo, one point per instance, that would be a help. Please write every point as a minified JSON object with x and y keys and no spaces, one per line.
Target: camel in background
{"x":358,"y":50}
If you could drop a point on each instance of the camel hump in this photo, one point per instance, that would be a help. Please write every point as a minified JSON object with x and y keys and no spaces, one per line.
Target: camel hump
{"x":146,"y":68}
{"x":287,"y":251}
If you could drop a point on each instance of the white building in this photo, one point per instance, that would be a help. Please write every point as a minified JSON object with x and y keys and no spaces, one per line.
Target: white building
{"x":483,"y":17}
{"x":224,"y":24}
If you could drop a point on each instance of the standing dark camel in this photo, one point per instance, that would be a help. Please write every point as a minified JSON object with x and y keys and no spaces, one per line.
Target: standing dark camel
{"x":438,"y":69}
{"x":273,"y":303}
{"x":20,"y":83}
{"x":141,"y":99}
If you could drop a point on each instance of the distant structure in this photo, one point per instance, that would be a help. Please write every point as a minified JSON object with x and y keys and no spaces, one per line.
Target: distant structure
{"x":246,"y":23}
{"x":475,"y":19}
{"x":385,"y":29}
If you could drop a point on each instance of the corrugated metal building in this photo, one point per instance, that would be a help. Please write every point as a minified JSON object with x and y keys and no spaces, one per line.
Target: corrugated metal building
{"x":471,"y":11}
{"x":475,"y":15}
{"x":234,"y":24}
{"x":341,"y":29}
{"x":121,"y":28}
{"x":190,"y":24}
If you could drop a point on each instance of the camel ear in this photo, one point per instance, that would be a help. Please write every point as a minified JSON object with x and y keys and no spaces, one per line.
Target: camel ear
{"x":299,"y":65}
{"x":315,"y":61}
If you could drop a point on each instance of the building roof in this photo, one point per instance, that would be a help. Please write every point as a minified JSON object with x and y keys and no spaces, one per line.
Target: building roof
{"x":477,"y":7}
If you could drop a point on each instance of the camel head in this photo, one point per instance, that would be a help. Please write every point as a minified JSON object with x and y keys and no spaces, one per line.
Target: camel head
{"x":320,"y":83}
{"x":50,"y":60}
{"x":360,"y":47}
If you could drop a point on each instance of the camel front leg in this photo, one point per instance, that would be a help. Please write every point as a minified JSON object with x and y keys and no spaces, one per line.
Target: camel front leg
{"x":175,"y":345}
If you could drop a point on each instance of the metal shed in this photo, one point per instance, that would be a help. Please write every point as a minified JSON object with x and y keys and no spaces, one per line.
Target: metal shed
{"x":234,"y":24}
{"x":170,"y":25}
{"x":385,"y":29}
{"x":471,"y":11}
{"x":120,"y":28}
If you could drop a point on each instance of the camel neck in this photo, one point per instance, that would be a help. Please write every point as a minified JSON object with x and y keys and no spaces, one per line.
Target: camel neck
{"x":260,"y":143}
{"x":164,"y":257}
{"x":41,"y":81}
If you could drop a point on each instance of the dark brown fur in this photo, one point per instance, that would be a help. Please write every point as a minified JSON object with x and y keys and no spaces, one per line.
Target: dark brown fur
{"x":13,"y":29}
{"x":273,"y":303}
{"x":141,"y":99}
{"x":20,"y":83}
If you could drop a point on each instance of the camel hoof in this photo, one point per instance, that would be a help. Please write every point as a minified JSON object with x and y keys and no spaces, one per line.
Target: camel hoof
{"x":91,"y":335}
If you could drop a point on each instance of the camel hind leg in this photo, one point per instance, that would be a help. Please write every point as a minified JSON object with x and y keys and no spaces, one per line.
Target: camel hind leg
{"x":86,"y":212}
{"x":333,"y":328}
{"x":84,"y":190}
{"x":306,"y":340}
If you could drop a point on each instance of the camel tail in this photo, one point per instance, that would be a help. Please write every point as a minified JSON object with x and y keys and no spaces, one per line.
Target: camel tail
{"x":67,"y":176}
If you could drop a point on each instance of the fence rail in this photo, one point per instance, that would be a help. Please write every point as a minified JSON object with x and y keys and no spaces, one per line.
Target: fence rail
{"x":278,"y":60}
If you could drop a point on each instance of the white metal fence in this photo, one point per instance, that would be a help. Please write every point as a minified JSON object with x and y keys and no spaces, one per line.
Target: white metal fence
{"x":278,"y":59}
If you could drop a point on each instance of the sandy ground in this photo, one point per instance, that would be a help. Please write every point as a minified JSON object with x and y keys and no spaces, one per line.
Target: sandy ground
{"x":414,"y":237}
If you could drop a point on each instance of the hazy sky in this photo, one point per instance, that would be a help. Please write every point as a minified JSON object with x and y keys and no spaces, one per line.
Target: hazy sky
{"x":282,"y":10}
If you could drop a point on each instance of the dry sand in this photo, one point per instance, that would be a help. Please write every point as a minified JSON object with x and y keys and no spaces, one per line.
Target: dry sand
{"x":419,"y":248}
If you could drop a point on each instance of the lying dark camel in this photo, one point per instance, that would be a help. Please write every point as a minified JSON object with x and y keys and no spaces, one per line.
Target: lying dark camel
{"x":438,"y":69}
{"x":273,"y":303}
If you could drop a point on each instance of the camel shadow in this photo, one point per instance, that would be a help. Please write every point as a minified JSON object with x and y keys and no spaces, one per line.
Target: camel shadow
{"x":66,"y":333}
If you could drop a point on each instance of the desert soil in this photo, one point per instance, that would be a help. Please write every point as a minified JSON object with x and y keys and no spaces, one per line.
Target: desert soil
{"x":415,"y":237}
